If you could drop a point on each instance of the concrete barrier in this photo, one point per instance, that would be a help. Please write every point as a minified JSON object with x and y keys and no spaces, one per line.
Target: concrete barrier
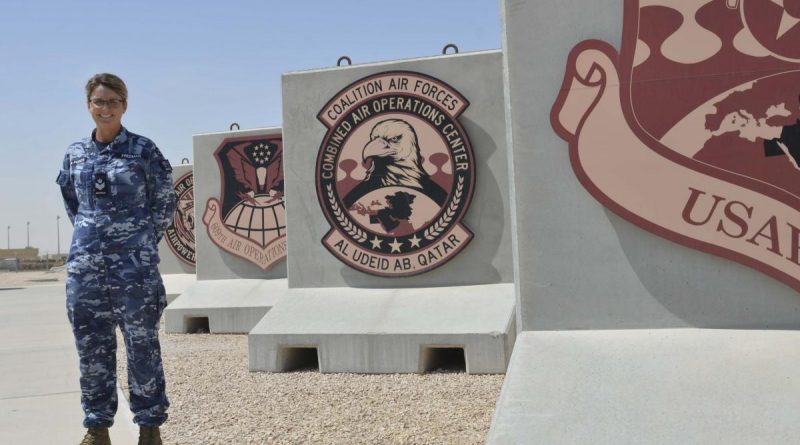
{"x":240,"y":236}
{"x":611,"y":249}
{"x":379,"y":274}
{"x":177,"y":248}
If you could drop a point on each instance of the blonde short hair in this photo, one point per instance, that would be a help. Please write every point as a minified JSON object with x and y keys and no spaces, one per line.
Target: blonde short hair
{"x":114,"y":83}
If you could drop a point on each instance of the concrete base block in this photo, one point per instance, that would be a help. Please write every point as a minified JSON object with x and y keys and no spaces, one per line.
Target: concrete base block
{"x":177,"y":283}
{"x":223,"y":306}
{"x":387,"y":330}
{"x":669,"y":386}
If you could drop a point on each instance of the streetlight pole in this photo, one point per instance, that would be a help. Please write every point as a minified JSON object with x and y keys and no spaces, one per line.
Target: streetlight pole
{"x":28,"y":234}
{"x":8,"y":237}
{"x":58,"y":235}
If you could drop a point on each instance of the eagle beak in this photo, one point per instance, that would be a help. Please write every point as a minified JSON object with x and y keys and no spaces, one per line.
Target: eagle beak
{"x":375,"y":147}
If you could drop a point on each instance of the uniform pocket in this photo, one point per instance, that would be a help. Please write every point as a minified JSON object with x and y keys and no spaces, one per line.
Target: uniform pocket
{"x":82,"y":273}
{"x":127,"y":180}
{"x":154,"y":298}
{"x":81,"y":265}
{"x":81,"y":175}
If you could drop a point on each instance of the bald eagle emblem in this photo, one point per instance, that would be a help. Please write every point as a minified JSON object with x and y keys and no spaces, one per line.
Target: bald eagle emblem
{"x":392,"y":156}
{"x":395,"y":174}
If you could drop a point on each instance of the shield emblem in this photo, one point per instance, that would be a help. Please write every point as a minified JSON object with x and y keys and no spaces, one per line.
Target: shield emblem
{"x":692,"y":129}
{"x":249,"y":219}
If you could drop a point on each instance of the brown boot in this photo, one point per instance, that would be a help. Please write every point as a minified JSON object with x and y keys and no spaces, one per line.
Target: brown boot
{"x":96,"y":436}
{"x":149,"y":435}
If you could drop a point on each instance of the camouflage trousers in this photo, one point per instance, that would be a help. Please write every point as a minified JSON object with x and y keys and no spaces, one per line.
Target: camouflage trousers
{"x":104,"y":292}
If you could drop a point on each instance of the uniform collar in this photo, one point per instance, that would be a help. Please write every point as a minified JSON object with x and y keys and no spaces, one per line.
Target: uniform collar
{"x":118,"y":144}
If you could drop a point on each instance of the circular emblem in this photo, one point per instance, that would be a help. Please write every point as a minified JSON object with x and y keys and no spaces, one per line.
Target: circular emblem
{"x":180,"y":234}
{"x":395,"y":174}
{"x":775,"y":24}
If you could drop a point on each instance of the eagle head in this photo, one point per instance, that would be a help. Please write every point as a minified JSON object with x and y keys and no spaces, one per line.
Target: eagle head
{"x":393,"y":153}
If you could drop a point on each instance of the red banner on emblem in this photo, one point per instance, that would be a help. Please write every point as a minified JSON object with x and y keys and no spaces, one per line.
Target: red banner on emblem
{"x":661,"y":190}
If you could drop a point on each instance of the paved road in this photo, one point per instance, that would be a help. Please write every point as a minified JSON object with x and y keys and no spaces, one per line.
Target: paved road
{"x":39,"y":391}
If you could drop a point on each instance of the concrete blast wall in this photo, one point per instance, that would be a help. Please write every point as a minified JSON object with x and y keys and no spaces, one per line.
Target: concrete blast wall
{"x":172,"y":262}
{"x":214,"y":263}
{"x":487,"y":259}
{"x":580,"y":266}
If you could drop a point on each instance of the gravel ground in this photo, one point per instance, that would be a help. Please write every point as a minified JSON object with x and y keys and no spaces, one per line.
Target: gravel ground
{"x":216,"y":400}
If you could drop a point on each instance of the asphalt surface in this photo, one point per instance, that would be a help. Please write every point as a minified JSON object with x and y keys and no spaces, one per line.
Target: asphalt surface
{"x":39,"y":389}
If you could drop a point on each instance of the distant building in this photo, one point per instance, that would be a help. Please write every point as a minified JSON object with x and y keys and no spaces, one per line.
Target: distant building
{"x":9,"y":264}
{"x":28,"y":253}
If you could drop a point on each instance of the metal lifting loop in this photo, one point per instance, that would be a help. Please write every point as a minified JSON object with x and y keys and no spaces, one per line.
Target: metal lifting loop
{"x":237,"y":126}
{"x":450,"y":46}
{"x":342,"y":59}
{"x":185,"y":161}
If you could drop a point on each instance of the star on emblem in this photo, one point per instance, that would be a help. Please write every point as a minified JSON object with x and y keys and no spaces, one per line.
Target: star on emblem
{"x":414,"y":241}
{"x":376,"y":243}
{"x":260,"y":154}
{"x":395,"y":246}
{"x":788,"y":21}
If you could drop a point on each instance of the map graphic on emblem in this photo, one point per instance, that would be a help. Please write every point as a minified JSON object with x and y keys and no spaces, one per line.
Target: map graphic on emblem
{"x":180,"y":234}
{"x":395,"y":174}
{"x":249,"y":220}
{"x":692,"y":129}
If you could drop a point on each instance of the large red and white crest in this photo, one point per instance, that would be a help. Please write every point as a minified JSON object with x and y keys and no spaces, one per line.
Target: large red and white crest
{"x":692,"y":130}
{"x":249,"y":218}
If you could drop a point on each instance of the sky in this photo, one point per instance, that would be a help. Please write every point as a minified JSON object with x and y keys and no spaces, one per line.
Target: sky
{"x":191,"y":67}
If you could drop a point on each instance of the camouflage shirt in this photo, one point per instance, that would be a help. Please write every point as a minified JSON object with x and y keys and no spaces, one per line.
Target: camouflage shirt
{"x":119,"y":198}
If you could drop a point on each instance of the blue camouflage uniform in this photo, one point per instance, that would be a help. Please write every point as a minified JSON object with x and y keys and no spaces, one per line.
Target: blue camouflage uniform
{"x":120,"y":199}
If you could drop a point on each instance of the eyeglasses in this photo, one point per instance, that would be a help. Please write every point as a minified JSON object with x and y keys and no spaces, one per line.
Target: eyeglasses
{"x":112,"y":103}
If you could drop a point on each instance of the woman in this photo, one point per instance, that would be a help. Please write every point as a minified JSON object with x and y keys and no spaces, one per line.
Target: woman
{"x":117,"y":190}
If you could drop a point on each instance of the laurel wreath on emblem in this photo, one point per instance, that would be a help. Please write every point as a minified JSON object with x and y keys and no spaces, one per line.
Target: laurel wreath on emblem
{"x":347,"y":225}
{"x":436,"y":229}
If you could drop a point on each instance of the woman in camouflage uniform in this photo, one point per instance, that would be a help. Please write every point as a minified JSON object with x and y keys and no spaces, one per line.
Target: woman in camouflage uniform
{"x":117,"y":190}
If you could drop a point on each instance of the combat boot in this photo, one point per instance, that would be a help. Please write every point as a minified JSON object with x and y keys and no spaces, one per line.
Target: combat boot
{"x":96,"y":436}
{"x":149,"y":435}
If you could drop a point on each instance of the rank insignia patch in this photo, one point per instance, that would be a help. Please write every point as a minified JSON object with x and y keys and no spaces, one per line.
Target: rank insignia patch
{"x":100,"y":184}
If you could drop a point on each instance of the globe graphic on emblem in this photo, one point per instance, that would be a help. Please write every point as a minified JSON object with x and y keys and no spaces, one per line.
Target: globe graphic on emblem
{"x":262,"y":221}
{"x":730,"y":130}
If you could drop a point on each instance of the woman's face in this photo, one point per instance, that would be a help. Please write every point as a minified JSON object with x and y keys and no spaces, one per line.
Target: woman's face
{"x":106,"y":108}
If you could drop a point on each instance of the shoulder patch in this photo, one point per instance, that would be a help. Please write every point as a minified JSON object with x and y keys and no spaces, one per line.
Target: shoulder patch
{"x":63,"y":178}
{"x":165,"y":166}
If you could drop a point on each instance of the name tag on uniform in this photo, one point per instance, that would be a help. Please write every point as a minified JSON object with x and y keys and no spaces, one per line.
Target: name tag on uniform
{"x":100,"y":184}
{"x":77,"y":160}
